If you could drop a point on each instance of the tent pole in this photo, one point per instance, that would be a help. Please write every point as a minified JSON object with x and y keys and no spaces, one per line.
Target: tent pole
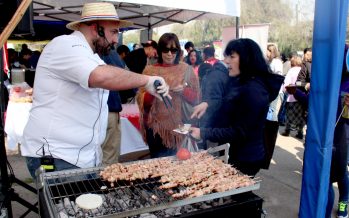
{"x":149,"y":36}
{"x":120,"y":39}
{"x":237,"y":24}
{"x":330,"y":23}
{"x":22,"y":8}
{"x":5,"y":182}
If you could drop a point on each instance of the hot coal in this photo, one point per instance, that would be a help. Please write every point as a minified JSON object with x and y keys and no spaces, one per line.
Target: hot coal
{"x":112,"y":205}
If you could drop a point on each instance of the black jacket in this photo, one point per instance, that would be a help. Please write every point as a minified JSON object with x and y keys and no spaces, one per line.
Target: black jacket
{"x":305,"y":72}
{"x":242,"y":117}
{"x":215,"y":85}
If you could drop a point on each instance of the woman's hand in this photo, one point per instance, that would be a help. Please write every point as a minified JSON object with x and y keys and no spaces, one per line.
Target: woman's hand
{"x":199,"y":110}
{"x":195,"y":133}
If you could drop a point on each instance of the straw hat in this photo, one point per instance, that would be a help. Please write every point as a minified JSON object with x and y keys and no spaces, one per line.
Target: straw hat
{"x":98,"y":11}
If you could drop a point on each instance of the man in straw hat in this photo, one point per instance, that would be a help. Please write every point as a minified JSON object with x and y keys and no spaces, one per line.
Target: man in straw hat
{"x":68,"y":119}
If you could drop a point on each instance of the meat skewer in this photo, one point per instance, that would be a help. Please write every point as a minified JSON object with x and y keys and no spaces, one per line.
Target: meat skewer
{"x":201,"y":174}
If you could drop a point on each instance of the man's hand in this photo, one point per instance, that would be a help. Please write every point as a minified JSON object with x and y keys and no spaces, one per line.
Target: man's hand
{"x":161,"y":90}
{"x":199,"y":110}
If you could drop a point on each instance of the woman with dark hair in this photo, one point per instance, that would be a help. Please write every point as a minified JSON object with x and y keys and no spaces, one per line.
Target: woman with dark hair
{"x":195,"y":60}
{"x":157,"y":121}
{"x":245,"y":106}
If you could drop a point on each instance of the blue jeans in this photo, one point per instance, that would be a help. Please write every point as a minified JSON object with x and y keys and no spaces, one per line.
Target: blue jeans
{"x":282,"y":110}
{"x":33,"y":163}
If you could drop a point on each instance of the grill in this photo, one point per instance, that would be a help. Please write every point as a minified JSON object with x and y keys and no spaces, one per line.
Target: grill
{"x":127,"y":198}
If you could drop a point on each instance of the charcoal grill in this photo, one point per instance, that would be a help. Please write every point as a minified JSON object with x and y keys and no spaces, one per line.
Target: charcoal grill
{"x":125,"y":199}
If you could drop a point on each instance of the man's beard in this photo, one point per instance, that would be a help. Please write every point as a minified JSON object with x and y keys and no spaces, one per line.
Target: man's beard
{"x":102,"y":47}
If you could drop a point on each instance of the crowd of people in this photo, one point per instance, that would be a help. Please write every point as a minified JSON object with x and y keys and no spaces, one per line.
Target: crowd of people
{"x":82,"y":80}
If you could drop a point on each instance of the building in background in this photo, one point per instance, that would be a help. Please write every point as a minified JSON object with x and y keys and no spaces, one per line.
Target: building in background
{"x":257,"y":32}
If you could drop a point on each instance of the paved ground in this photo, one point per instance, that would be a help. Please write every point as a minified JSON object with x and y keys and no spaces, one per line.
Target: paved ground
{"x":280,"y":185}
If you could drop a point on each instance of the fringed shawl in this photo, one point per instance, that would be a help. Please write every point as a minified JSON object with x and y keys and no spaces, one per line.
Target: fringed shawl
{"x":159,"y":118}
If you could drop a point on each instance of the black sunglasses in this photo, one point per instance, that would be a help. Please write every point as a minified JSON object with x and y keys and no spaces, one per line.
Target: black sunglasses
{"x":173,"y":50}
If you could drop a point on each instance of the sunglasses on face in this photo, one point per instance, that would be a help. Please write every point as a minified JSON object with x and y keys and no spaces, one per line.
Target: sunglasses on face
{"x":172,"y":50}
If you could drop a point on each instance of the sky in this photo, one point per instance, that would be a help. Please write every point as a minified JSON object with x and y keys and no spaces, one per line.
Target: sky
{"x":305,"y":8}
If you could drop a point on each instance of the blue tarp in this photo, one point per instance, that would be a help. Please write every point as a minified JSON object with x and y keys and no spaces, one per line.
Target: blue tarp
{"x":328,"y":49}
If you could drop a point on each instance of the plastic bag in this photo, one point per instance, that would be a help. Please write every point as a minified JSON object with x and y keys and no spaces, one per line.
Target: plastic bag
{"x":190,"y":143}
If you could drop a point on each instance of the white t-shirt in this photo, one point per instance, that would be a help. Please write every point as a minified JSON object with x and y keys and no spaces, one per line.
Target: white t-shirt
{"x":276,"y":66}
{"x":67,"y":113}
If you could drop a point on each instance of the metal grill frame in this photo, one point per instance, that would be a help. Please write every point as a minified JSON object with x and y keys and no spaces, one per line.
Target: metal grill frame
{"x":81,"y":178}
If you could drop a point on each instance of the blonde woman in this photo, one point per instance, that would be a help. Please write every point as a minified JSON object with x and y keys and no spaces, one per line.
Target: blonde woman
{"x":274,"y":59}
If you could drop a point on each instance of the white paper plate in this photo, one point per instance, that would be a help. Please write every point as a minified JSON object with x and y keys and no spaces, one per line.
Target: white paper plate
{"x":181,"y":131}
{"x":89,"y":201}
{"x":184,"y":130}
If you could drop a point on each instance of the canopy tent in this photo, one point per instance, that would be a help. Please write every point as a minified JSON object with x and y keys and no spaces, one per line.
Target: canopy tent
{"x":145,"y":14}
{"x":328,"y":50}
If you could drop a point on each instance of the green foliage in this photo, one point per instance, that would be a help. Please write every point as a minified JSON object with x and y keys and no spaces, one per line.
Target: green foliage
{"x":134,"y":37}
{"x":289,"y":35}
{"x":131,"y":37}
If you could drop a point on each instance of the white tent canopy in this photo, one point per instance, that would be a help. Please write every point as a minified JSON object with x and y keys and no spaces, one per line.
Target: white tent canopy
{"x":145,"y":14}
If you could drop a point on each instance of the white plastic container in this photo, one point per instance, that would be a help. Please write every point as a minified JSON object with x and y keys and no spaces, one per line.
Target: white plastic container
{"x":17,"y":75}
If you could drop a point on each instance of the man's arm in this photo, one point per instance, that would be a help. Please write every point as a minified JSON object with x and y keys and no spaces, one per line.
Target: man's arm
{"x":114,"y":78}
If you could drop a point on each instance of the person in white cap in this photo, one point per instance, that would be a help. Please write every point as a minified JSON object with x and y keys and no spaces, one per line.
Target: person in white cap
{"x":68,"y":119}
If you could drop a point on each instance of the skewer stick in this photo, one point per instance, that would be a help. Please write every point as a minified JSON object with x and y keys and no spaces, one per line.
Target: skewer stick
{"x":14,"y":21}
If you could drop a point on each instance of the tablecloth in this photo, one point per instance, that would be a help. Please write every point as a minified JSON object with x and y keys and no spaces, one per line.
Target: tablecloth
{"x":131,"y":139}
{"x":18,"y":114}
{"x":131,"y":112}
